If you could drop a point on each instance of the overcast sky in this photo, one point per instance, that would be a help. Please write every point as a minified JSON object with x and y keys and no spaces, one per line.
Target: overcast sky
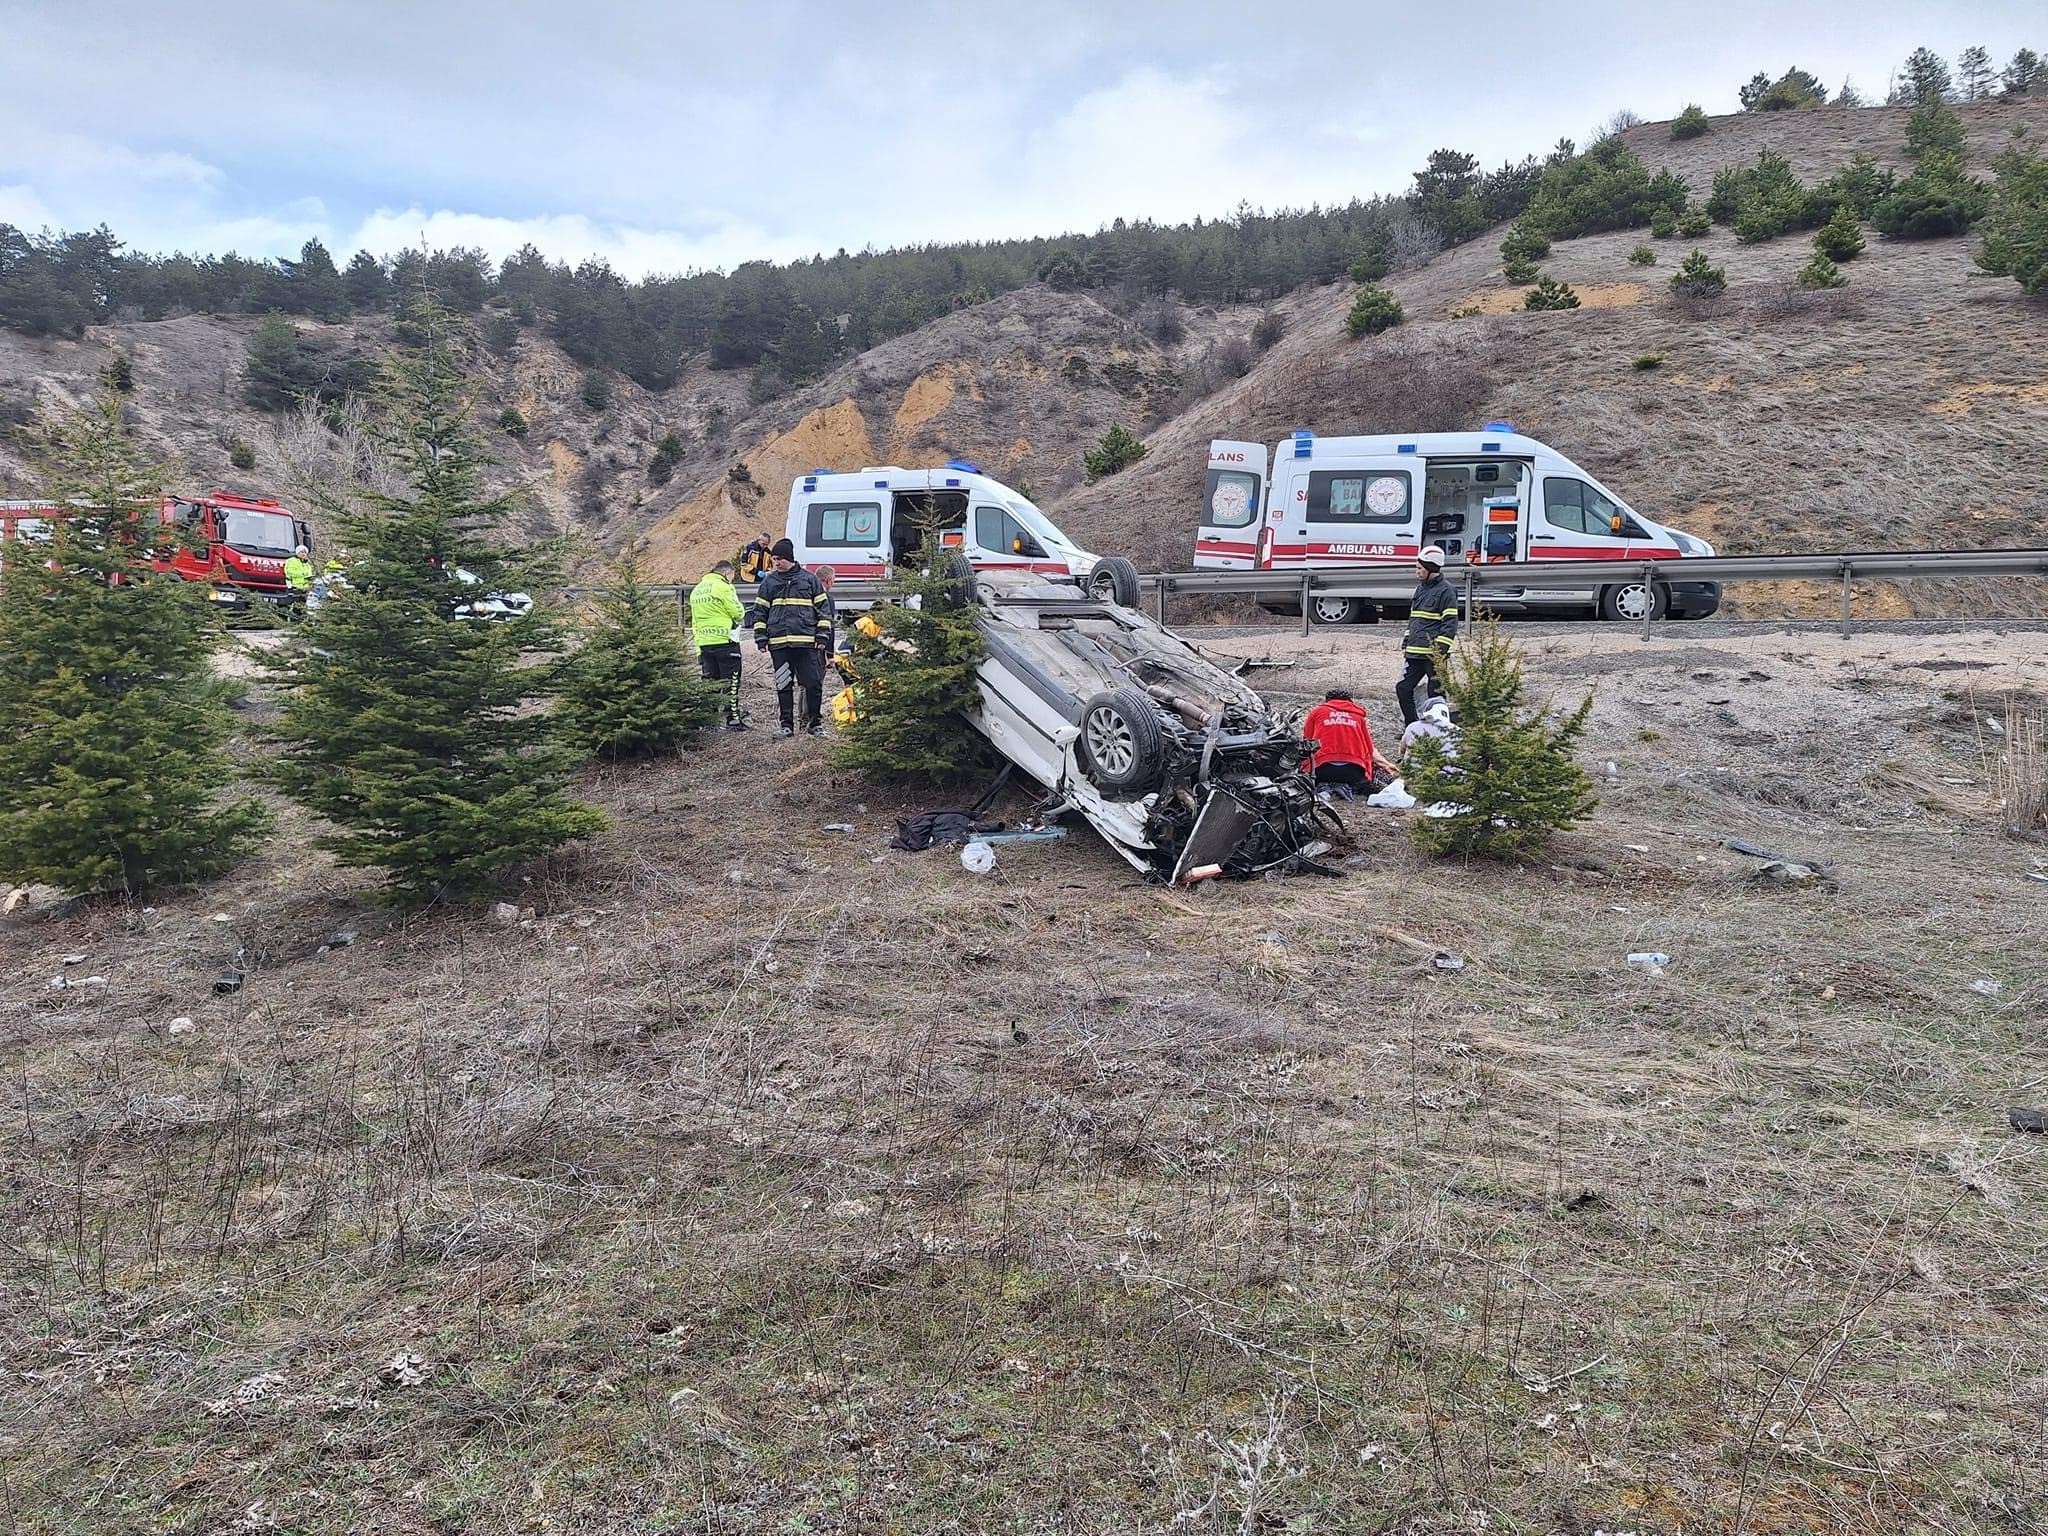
{"x":670,"y":136}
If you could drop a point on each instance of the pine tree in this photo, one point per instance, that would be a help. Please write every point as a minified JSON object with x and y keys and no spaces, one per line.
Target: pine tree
{"x":409,"y":723}
{"x":2016,"y":228}
{"x":1373,"y":310}
{"x":2025,"y":74}
{"x":1840,"y":239}
{"x":1513,"y":780}
{"x":632,"y":689}
{"x":312,"y":285}
{"x":1925,"y":79}
{"x":914,"y":682}
{"x":112,"y":724}
{"x":364,"y":284}
{"x":1698,"y":278}
{"x":1119,"y":449}
{"x":1974,"y":73}
{"x":1550,"y":293}
{"x":1820,"y":273}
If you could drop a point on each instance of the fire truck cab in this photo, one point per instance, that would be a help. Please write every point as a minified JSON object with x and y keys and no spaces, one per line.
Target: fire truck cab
{"x":237,"y":543}
{"x":1366,"y":506}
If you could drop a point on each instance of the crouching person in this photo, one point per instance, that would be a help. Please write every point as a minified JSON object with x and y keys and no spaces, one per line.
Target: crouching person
{"x":1344,"y":759}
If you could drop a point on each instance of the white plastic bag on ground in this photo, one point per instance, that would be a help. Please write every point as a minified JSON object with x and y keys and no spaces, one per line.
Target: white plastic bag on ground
{"x":1394,"y":797}
{"x":977,"y":858}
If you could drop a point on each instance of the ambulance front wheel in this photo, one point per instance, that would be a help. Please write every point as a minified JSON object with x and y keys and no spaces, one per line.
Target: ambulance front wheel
{"x":1627,"y":604}
{"x":1114,"y":580}
{"x":1341,"y":610}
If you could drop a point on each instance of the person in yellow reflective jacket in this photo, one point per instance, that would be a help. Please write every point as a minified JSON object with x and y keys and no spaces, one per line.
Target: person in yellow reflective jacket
{"x":298,"y":571}
{"x":714,"y":610}
{"x":1432,"y":626}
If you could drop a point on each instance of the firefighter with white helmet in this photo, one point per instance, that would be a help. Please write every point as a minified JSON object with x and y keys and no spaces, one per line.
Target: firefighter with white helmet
{"x":1432,"y":626}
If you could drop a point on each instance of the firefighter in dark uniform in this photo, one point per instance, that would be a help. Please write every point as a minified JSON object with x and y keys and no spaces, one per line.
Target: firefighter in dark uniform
{"x":1432,"y":626}
{"x":793,"y":628}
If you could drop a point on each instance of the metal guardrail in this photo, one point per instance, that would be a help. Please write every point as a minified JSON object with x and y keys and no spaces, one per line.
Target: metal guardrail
{"x":1472,"y":580}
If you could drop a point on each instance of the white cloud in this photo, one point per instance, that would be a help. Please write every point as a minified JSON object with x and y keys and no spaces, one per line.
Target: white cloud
{"x":571,"y":237}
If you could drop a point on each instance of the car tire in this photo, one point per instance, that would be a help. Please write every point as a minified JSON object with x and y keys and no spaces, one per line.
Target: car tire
{"x":956,"y":571}
{"x":1337,"y":610}
{"x":1114,"y":580}
{"x":1623,"y":604}
{"x":1122,"y":747}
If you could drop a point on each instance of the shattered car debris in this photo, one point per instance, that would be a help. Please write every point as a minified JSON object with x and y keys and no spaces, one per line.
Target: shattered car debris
{"x":1179,"y":765}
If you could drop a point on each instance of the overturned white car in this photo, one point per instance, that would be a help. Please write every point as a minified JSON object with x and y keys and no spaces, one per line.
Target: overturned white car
{"x":1171,"y":758}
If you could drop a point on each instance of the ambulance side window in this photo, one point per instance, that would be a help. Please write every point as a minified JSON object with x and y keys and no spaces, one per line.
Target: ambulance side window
{"x":1574,"y":505}
{"x":995,"y":529}
{"x":1231,"y":499}
{"x":1358,"y":496}
{"x":835,"y":525}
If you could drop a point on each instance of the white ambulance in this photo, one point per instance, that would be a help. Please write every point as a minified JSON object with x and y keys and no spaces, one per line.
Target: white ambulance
{"x":1367,"y":505}
{"x":864,"y":522}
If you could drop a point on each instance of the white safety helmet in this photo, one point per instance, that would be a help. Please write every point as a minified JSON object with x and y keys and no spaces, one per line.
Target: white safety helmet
{"x":1431,"y":555}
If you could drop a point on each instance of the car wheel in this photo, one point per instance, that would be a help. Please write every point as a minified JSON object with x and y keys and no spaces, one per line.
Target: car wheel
{"x":1122,"y":748}
{"x":1335,"y":610}
{"x":957,"y":572}
{"x":1114,"y":580}
{"x":1625,"y":604}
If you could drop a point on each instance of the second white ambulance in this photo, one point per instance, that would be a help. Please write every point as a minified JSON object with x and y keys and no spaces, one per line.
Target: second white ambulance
{"x":1366,"y":506}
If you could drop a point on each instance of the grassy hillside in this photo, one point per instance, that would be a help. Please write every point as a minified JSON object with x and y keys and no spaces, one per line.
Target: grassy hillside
{"x":1891,"y":412}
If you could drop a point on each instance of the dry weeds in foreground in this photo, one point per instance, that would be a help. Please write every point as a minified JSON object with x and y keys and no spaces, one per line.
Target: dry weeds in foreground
{"x":718,"y":1197}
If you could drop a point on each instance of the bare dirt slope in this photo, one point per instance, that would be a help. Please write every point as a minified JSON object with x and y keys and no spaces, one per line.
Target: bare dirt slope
{"x":764,"y":1180}
{"x":1891,"y":413}
{"x":1018,"y":385}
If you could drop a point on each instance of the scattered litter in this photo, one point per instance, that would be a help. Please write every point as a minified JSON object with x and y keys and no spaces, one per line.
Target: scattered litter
{"x":1394,"y":797}
{"x":849,"y":1210}
{"x":504,"y":914}
{"x":74,"y":959}
{"x":1651,"y":960}
{"x":2035,"y":874}
{"x":977,"y":858}
{"x":1202,"y":872}
{"x":227,"y":982}
{"x":2031,"y":1120}
{"x":18,"y":897}
{"x":222,"y":917}
{"x":736,"y":876}
{"x":405,"y":1369}
{"x":1986,"y":987}
{"x":1788,"y":872}
{"x":1636,"y":847}
{"x":1444,"y":960}
{"x":1827,"y":994}
{"x":838,"y":826}
{"x":1613,"y":771}
{"x":928,"y":829}
{"x":181,"y":1026}
{"x":60,"y":983}
{"x":1996,"y":726}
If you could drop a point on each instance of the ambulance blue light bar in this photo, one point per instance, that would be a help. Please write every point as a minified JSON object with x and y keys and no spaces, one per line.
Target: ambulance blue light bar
{"x":1499,"y":426}
{"x":1304,"y":442}
{"x":963,"y":466}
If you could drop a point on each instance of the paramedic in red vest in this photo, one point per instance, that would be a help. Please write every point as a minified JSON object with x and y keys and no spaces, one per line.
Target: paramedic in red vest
{"x":1432,"y":626}
{"x":1344,"y":754}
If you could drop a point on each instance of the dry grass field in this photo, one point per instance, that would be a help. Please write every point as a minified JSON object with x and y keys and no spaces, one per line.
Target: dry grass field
{"x":765,"y":1180}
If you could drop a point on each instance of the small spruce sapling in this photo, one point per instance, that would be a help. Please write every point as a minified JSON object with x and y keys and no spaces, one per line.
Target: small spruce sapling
{"x":1510,"y":780}
{"x":915,"y":681}
{"x":1374,"y":310}
{"x":632,"y":688}
{"x":113,"y":728}
{"x":1839,"y":239}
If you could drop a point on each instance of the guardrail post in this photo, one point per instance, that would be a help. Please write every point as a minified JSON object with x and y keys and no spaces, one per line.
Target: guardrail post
{"x":1305,"y":579}
{"x":1470,"y":584}
{"x":1649,"y":600}
{"x":1165,"y":581}
{"x":1847,"y":569}
{"x":682,"y":612}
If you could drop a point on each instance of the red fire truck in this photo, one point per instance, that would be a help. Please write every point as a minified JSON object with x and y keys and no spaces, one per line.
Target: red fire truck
{"x":238,"y":544}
